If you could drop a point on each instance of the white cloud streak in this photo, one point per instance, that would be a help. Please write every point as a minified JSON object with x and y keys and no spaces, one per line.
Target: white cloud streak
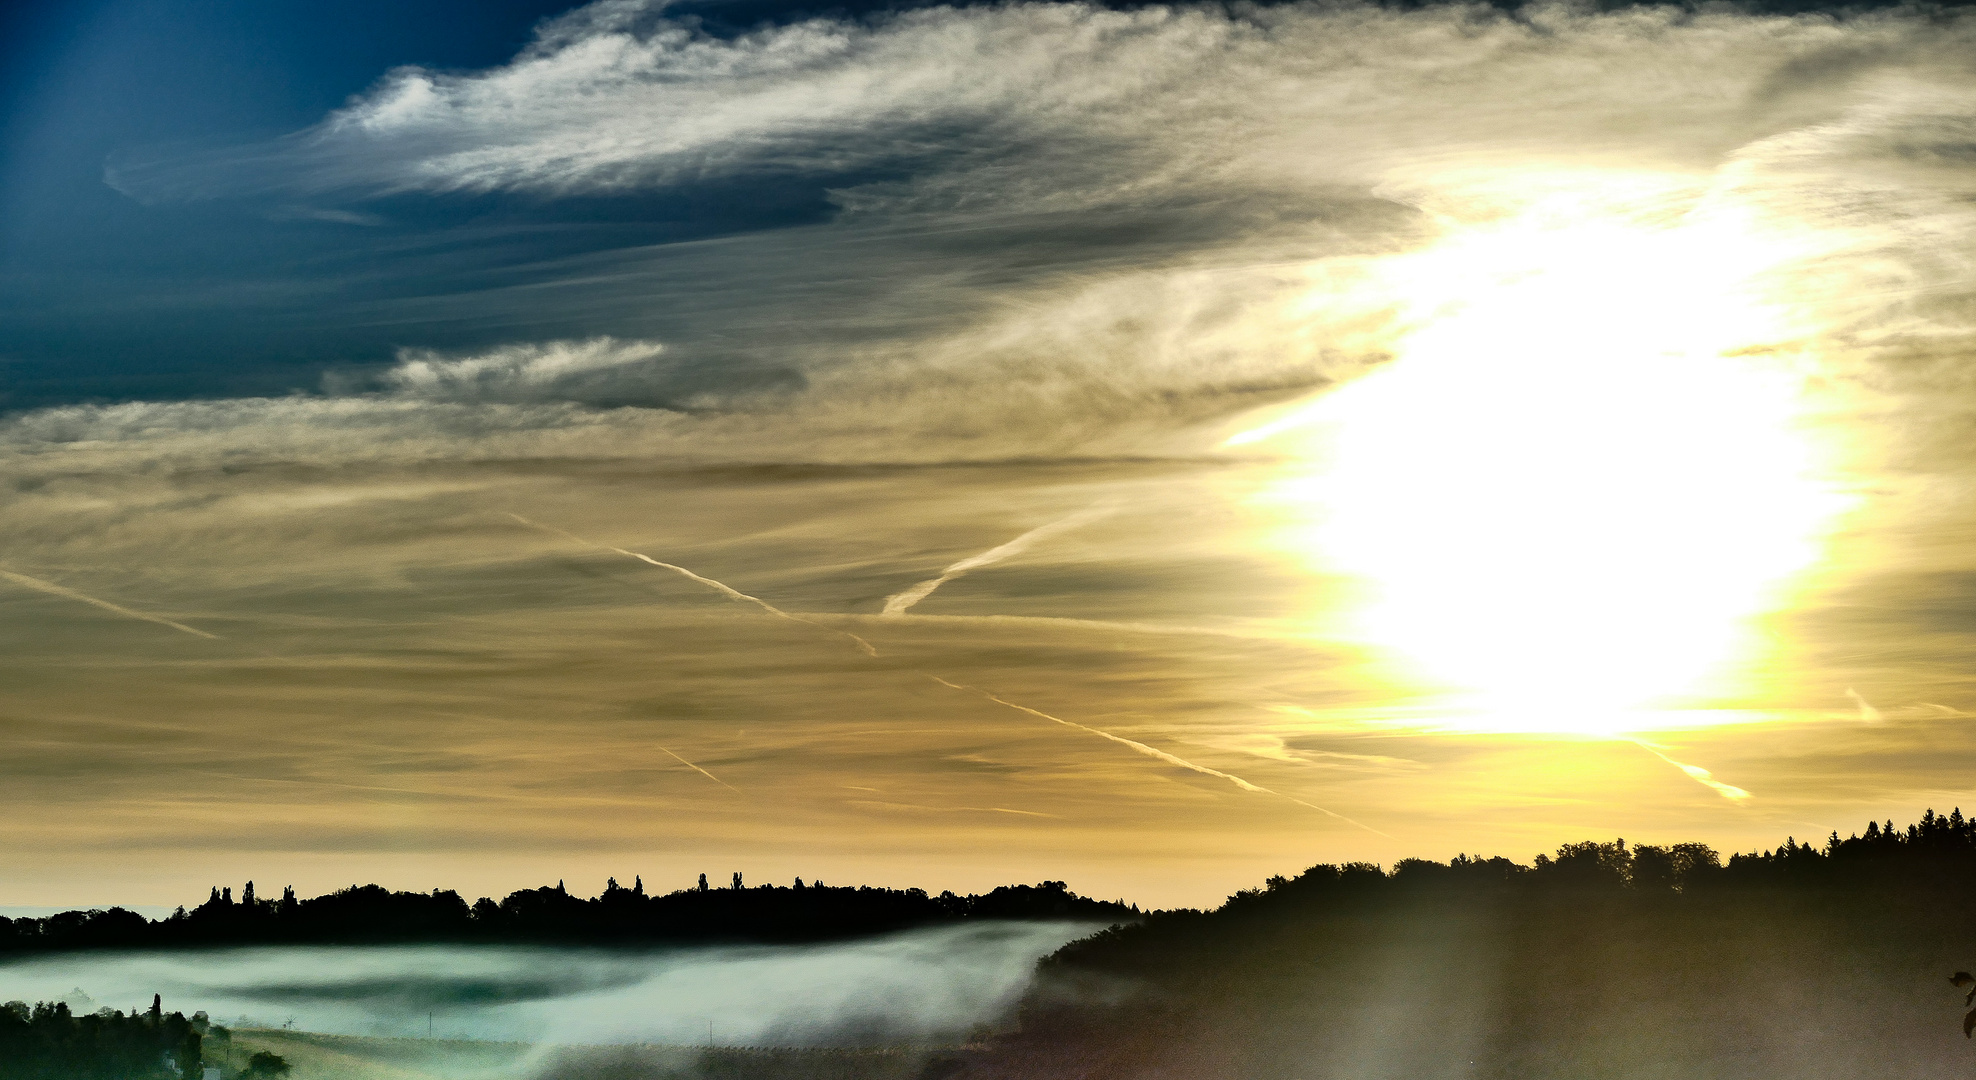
{"x":731,"y":593}
{"x":699,"y":770}
{"x":1154,"y":752}
{"x":902,"y":602}
{"x":522,"y":372}
{"x":1700,"y":776}
{"x":1867,"y":713}
{"x":63,"y":591}
{"x":867,"y":648}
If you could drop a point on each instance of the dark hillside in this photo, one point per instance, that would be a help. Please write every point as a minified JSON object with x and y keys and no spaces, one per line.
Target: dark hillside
{"x":1606,"y":961}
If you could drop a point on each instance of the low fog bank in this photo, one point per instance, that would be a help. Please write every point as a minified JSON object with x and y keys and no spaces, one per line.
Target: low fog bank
{"x":930,"y":985}
{"x":340,"y":1057}
{"x":675,"y":1063}
{"x":1799,"y":963}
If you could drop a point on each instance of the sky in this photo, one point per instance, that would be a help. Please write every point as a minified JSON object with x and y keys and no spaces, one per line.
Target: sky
{"x":1152,"y":447}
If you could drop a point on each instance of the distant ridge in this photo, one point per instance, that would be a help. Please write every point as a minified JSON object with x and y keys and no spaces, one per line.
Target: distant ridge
{"x":372,"y":914}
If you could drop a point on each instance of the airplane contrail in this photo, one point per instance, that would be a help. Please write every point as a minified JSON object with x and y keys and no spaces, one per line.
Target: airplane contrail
{"x":900,"y":603}
{"x":735,"y":594}
{"x":701,"y":771}
{"x":63,"y":591}
{"x":1700,"y":775}
{"x":731,"y":593}
{"x":1867,"y":713}
{"x":1155,"y":752}
{"x":948,"y":809}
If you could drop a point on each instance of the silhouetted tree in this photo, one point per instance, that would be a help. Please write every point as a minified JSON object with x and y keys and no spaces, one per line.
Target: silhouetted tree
{"x":46,"y":1042}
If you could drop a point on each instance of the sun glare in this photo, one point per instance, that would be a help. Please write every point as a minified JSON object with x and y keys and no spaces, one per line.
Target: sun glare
{"x":1585,"y":473}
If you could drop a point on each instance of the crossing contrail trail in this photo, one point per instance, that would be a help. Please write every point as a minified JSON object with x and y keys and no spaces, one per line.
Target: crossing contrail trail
{"x":1155,"y":752}
{"x":866,"y":647}
{"x":1867,"y":713}
{"x":900,"y":603}
{"x":701,"y":771}
{"x":1699,"y":775}
{"x":59,"y":590}
{"x":731,"y":593}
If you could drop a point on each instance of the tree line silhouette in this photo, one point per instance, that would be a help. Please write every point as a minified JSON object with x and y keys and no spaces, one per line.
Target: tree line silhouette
{"x":46,"y":1042}
{"x":1603,"y":959}
{"x":371,"y":914}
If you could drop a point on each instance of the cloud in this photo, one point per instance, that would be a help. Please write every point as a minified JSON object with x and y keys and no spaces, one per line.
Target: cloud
{"x":1867,"y":713}
{"x":864,"y":646}
{"x":1065,"y":253}
{"x":902,"y":602}
{"x":59,"y":590}
{"x":515,"y":372}
{"x":870,"y":651}
{"x":1156,"y":753}
{"x":1699,"y":775}
{"x":1039,"y":105}
{"x":1065,"y":229}
{"x":601,"y":372}
{"x":697,"y":769}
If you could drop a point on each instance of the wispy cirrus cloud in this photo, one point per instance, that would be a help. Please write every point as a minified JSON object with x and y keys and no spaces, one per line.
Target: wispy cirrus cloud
{"x":1098,"y":228}
{"x":1017,"y":96}
{"x":1063,"y":246}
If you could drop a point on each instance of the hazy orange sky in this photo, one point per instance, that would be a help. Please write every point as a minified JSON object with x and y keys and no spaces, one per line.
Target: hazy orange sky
{"x":1190,"y":447}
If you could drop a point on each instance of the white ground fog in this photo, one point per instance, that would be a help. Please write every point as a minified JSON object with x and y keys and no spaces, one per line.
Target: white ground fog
{"x":923,"y":985}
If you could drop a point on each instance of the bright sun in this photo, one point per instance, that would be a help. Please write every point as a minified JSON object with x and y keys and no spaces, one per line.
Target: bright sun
{"x":1580,"y":479}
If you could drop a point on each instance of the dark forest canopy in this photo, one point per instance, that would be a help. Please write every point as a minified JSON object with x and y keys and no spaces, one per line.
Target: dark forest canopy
{"x":373,"y":914}
{"x":1936,"y":854}
{"x":1604,"y":960}
{"x":47,"y":1042}
{"x":1886,"y":868}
